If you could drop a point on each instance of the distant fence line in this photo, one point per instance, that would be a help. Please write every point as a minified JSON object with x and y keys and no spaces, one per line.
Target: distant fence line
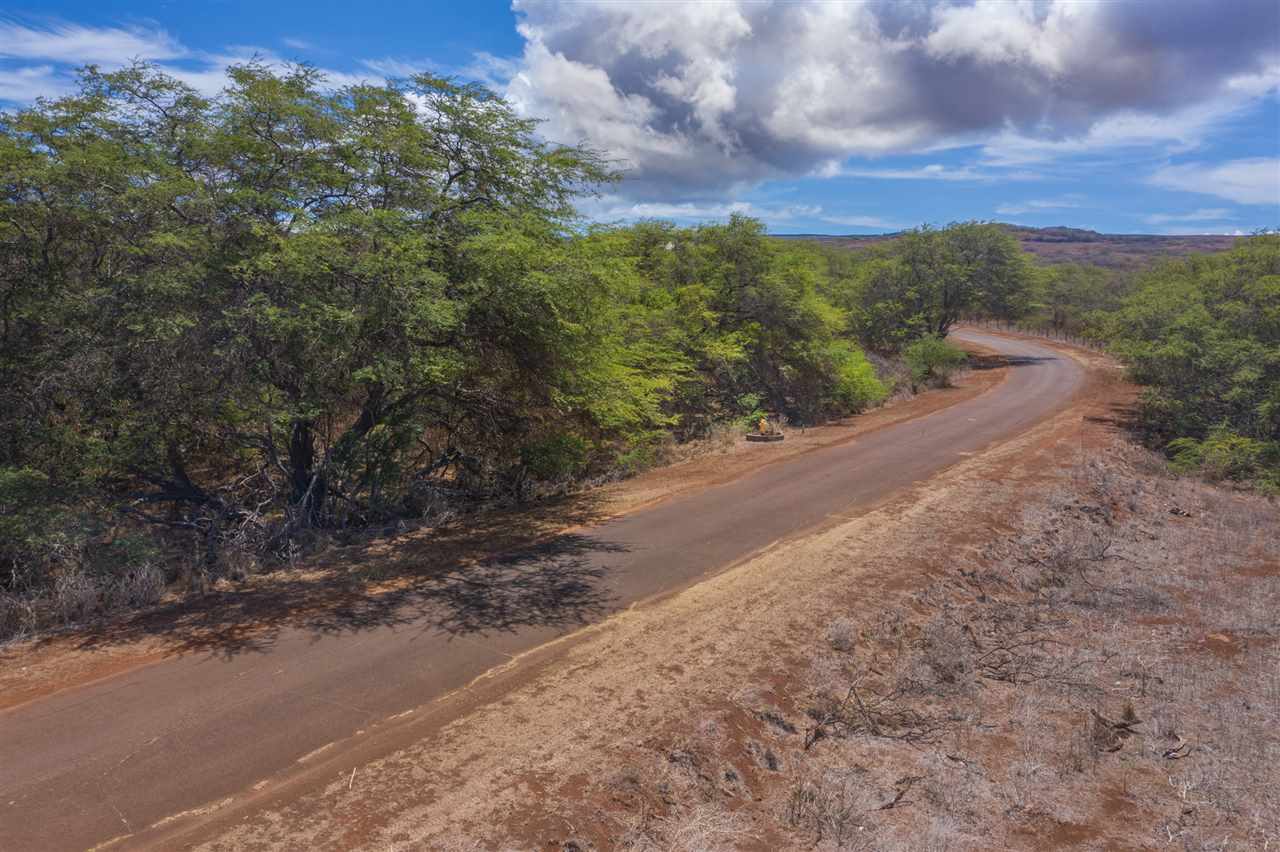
{"x":1046,"y":331}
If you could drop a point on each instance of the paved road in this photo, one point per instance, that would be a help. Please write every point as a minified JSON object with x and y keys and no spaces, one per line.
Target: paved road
{"x":117,"y":756}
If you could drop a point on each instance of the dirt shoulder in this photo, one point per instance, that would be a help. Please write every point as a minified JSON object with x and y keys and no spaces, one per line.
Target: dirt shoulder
{"x":340,"y":575}
{"x":1051,"y":645}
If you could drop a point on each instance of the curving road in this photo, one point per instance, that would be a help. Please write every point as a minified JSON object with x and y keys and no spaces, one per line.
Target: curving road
{"x":118,"y":756}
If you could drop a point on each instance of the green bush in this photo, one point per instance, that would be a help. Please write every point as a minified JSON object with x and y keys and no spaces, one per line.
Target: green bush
{"x":555,"y":457}
{"x":29,"y":526}
{"x":857,"y":385}
{"x":1223,"y":454}
{"x":933,"y":361}
{"x":1203,"y":336}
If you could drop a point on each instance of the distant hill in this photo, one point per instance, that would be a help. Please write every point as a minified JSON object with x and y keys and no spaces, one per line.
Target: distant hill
{"x":1074,"y":245}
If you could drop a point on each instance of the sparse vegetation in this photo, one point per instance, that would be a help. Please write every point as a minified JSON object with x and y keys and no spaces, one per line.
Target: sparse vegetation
{"x":1095,"y":635}
{"x":1102,"y":673}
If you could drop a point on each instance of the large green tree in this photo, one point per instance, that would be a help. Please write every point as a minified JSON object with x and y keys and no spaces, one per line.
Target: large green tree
{"x":285,"y":290}
{"x":927,"y":279}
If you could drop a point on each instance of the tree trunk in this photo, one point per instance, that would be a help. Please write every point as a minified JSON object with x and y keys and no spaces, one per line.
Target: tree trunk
{"x":307,"y":486}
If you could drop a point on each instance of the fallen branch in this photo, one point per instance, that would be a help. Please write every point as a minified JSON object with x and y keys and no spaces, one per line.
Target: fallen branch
{"x":906,"y":784}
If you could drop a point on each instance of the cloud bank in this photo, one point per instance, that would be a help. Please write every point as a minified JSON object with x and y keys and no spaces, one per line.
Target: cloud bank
{"x":699,"y":98}
{"x":702,"y":101}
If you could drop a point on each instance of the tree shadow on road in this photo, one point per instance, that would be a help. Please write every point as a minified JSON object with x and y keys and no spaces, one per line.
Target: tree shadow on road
{"x":995,"y":362}
{"x":556,"y":583}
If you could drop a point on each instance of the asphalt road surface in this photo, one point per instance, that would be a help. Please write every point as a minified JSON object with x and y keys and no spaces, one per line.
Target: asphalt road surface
{"x":118,"y":756}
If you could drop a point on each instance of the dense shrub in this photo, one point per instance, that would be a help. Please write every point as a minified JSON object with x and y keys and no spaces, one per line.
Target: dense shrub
{"x":1203,"y":336}
{"x":932,"y":360}
{"x":926,"y":280}
{"x":554,"y":457}
{"x":1225,"y":455}
{"x":857,"y":385}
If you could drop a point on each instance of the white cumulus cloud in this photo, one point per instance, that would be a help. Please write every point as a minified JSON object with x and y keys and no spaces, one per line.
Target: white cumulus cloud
{"x":697,"y":97}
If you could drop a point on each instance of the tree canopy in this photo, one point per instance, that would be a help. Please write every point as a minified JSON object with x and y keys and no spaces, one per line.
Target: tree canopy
{"x":1203,"y":336}
{"x":927,"y":279}
{"x":291,"y":307}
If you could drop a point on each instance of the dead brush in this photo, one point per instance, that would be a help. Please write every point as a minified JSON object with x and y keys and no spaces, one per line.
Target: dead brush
{"x":842,"y":635}
{"x":19,"y":616}
{"x":138,"y":586}
{"x":1067,"y":562}
{"x":832,"y":805}
{"x":1020,"y":645}
{"x":942,"y":660}
{"x":76,"y":595}
{"x":1080,"y":754}
{"x":1030,"y":682}
{"x":885,"y":716}
{"x":703,"y":827}
{"x":693,"y":829}
{"x":945,"y":834}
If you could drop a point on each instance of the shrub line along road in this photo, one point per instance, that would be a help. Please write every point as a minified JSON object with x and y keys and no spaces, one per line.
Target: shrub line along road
{"x":118,"y":756}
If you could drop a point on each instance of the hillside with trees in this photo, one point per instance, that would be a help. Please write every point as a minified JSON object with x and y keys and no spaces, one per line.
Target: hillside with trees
{"x":1203,"y":336}
{"x":228,"y":324}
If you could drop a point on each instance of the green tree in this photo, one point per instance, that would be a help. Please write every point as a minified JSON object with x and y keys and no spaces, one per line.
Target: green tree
{"x":290,"y":306}
{"x":927,"y":279}
{"x":1203,"y":336}
{"x":1075,"y":298}
{"x":279,"y":291}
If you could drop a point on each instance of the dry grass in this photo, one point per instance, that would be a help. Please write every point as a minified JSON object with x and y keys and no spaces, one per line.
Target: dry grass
{"x":77,"y":596}
{"x":1106,"y":674}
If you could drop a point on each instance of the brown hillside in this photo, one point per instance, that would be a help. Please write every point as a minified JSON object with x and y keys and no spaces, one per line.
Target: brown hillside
{"x":1076,"y":245}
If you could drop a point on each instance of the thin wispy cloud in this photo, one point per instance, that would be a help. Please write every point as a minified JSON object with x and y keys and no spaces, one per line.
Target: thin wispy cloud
{"x":1065,"y":202}
{"x":398,"y":68}
{"x":1177,"y":132}
{"x":79,"y":45}
{"x":614,"y":207}
{"x":59,"y":49}
{"x":32,"y":81}
{"x":932,"y":171}
{"x":1204,"y":214}
{"x":617,"y":208}
{"x":1254,"y":180}
{"x":875,"y":222}
{"x":1200,"y":231}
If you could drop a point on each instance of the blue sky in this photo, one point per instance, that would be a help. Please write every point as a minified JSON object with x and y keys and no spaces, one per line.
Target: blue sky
{"x":829,"y":118}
